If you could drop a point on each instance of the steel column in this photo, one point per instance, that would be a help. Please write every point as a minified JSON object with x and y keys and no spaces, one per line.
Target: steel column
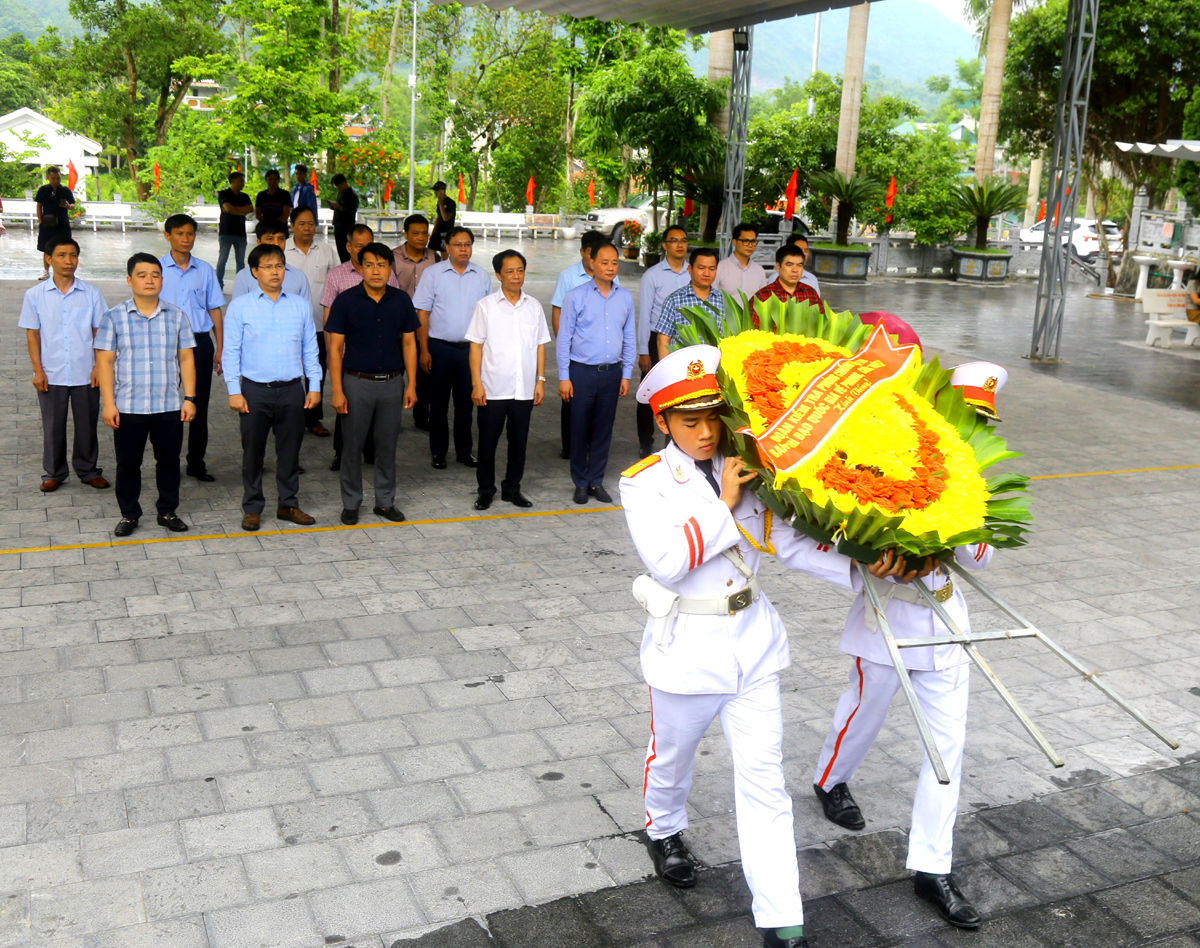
{"x":735,"y":146}
{"x":1079,"y":47}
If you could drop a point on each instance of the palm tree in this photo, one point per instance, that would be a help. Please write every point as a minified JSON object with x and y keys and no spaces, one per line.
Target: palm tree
{"x":986,"y":199}
{"x":849,"y":192}
{"x":992,"y":18}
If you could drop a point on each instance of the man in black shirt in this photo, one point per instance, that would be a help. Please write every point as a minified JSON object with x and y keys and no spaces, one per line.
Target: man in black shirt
{"x":443,"y":220}
{"x":376,"y":326}
{"x":231,"y":228}
{"x":53,"y":204}
{"x":273,"y":204}
{"x":345,"y":215}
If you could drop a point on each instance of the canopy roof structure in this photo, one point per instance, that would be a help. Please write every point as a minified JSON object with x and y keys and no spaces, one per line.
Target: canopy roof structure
{"x":1174,"y":148}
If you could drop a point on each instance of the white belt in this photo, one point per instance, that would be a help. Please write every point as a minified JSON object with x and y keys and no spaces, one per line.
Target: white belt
{"x":726,"y":606}
{"x":905,"y":593}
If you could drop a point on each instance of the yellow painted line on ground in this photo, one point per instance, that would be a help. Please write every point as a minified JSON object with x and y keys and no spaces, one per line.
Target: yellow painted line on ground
{"x":1132,"y":470}
{"x":107,"y":544}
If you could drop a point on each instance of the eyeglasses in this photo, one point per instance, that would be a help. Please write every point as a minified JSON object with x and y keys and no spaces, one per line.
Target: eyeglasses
{"x":748,"y":241}
{"x":460,"y":244}
{"x":376,"y":265}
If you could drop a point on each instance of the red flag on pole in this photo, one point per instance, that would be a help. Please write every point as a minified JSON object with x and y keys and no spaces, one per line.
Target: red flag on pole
{"x":157,"y":175}
{"x":529,"y":191}
{"x":790,"y":194}
{"x":387,"y":191}
{"x":1041,"y":214}
{"x":688,"y":207}
{"x":313,"y":182}
{"x":592,"y":193}
{"x":462,"y":193}
{"x":890,"y":199}
{"x":72,"y":175}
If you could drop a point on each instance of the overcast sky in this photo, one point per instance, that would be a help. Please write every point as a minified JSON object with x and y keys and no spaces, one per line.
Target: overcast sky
{"x":952,"y":8}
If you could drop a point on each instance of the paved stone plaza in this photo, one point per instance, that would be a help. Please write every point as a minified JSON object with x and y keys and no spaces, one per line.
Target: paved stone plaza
{"x":365,"y":735}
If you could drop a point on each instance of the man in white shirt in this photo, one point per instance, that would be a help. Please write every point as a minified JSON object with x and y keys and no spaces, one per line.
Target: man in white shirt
{"x":314,"y":260}
{"x":737,"y":274}
{"x":508,"y":336}
{"x":658,"y":282}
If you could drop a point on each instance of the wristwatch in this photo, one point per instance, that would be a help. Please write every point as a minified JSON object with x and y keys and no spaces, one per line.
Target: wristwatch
{"x":541,"y":378}
{"x":190,"y":398}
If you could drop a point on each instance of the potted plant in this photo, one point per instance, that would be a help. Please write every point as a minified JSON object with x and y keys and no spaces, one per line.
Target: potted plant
{"x":631,"y":232}
{"x":984,"y":200}
{"x":842,"y":260}
{"x":652,"y":247}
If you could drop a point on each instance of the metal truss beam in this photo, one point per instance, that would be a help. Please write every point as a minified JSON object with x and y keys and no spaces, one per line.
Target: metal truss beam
{"x":1079,"y":47}
{"x":735,"y":147}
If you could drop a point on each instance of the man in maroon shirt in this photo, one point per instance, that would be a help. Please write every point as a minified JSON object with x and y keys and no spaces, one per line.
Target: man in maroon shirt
{"x":789,"y":261}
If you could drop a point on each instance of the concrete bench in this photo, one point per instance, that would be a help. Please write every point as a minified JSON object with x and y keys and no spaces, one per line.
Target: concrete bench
{"x":1160,"y":331}
{"x":543,"y":224}
{"x":18,"y":209}
{"x":497,"y":224}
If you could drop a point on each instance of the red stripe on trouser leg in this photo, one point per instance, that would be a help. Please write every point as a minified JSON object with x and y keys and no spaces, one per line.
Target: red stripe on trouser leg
{"x":699,"y":540}
{"x":649,"y":759}
{"x":687,"y":532}
{"x":842,"y":733}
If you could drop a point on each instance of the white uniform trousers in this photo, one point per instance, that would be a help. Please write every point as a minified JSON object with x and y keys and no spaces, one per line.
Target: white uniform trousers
{"x":753,"y":723}
{"x":856,"y":723}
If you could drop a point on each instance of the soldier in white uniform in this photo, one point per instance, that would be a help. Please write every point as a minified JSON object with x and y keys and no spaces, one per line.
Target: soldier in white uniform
{"x":940,"y":677}
{"x":714,"y":644}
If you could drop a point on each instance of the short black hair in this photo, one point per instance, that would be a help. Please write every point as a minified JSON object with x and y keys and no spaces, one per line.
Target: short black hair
{"x":498,"y":260}
{"x":788,"y":250}
{"x":591,"y":240}
{"x":233,"y":175}
{"x":270,"y":227}
{"x":175,"y":221}
{"x":739,"y":229}
{"x":141,"y":257}
{"x":702,"y":252}
{"x":337,"y":179}
{"x":376,"y":249}
{"x":58,"y":242}
{"x":261,"y":252}
{"x":455,"y":231}
{"x":671,"y":227}
{"x":415,"y":219}
{"x":301,"y":209}
{"x":54,"y":169}
{"x":794,"y":238}
{"x":302,"y":170}
{"x":359,"y":229}
{"x":271,"y":171}
{"x":605,"y":243}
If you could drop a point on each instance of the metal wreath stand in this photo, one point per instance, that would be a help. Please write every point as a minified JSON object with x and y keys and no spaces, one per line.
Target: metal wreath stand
{"x":968,"y":642}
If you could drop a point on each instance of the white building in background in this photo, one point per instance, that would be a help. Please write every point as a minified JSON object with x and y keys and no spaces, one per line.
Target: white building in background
{"x":62,"y":146}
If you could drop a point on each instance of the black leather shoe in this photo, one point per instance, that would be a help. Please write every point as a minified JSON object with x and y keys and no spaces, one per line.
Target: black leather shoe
{"x":581,"y":495}
{"x":125,"y":527}
{"x":336,"y":464}
{"x":517,"y":500}
{"x":172,"y":523}
{"x":201,"y":475}
{"x":468,"y":461}
{"x":483,"y":501}
{"x":349,"y":517}
{"x":388,"y":513}
{"x":943,"y":893}
{"x":771,"y":940}
{"x":565,"y":455}
{"x":601,"y":494}
{"x":672,"y":861}
{"x":439,"y":463}
{"x":840,"y":807}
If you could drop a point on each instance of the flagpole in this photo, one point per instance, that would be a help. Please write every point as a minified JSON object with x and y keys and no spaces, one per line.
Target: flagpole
{"x":412,"y":119}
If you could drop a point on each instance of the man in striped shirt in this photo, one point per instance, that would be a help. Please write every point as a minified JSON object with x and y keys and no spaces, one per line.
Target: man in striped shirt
{"x":143,"y":350}
{"x":699,"y":292}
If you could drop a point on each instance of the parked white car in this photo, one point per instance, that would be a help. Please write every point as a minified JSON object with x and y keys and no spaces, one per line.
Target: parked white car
{"x":1085,"y":240}
{"x":610,"y":219}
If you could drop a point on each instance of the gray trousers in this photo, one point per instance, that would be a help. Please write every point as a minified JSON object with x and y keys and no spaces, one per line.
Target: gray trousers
{"x":278,"y":410}
{"x":378,"y":406}
{"x":84,"y":402}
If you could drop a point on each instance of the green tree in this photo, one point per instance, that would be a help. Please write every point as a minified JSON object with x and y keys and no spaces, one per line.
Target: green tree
{"x":1188,"y":177}
{"x":18,"y":83}
{"x":961,"y":97}
{"x":192,"y":163}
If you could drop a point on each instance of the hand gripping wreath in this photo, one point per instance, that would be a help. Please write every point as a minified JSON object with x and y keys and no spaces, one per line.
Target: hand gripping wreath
{"x":858,"y":441}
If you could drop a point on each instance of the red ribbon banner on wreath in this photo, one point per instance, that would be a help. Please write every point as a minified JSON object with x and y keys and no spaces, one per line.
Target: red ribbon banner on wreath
{"x":828,"y":400}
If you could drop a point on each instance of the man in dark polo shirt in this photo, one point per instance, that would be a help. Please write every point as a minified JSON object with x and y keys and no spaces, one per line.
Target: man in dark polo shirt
{"x":275,"y":203}
{"x":376,"y":326}
{"x":231,"y":228}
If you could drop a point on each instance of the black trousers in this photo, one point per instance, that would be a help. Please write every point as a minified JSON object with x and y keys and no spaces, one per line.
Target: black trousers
{"x":450,"y":375}
{"x":198,"y":426}
{"x":313,"y":415}
{"x":497,"y":414}
{"x":279,"y":410}
{"x":340,"y":239}
{"x":420,"y":410}
{"x":596,"y":391}
{"x":564,"y":427}
{"x":165,"y":431}
{"x":646,"y":426}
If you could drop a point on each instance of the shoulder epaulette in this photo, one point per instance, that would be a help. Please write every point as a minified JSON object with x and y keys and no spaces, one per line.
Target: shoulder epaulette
{"x":641,"y":465}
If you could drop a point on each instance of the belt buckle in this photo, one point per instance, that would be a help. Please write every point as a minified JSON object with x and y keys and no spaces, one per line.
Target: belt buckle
{"x":742,"y":599}
{"x":945,"y":592}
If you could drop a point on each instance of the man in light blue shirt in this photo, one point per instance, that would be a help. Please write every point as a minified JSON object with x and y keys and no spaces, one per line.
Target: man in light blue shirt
{"x":270,"y":349}
{"x":658,"y":282}
{"x":295,"y":283}
{"x":595,"y":351}
{"x":191,"y":284}
{"x":60,"y":317}
{"x":303,"y":193}
{"x":445,"y":301}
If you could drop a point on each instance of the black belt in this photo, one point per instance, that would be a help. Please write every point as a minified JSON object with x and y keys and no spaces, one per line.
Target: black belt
{"x":275,"y":384}
{"x":373,"y":376}
{"x":446,"y":342}
{"x":599,"y":368}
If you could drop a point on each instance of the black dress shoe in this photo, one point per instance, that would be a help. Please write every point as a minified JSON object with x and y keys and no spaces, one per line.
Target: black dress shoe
{"x":388,"y":513}
{"x":200,"y":475}
{"x":943,"y":893}
{"x":772,"y":940}
{"x":439,"y":463}
{"x":336,"y":465}
{"x":125,"y":527}
{"x":483,"y":501}
{"x":601,"y":494}
{"x":517,"y":500}
{"x":565,"y":455}
{"x":840,"y":807}
{"x":468,"y":461}
{"x":349,"y":517}
{"x":581,"y":495}
{"x":172,"y":523}
{"x":672,"y":861}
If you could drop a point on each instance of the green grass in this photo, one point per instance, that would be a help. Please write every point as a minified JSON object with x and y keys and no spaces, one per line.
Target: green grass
{"x":995,"y":250}
{"x":823,"y":246}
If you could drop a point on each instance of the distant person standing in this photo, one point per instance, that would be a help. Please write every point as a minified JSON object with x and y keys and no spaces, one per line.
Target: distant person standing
{"x":303,"y":193}
{"x":143,"y":353}
{"x":314,"y":259}
{"x":737,"y":273}
{"x":294,"y":280}
{"x":508,"y":337}
{"x":273,"y":204}
{"x":60,"y":318}
{"x":658,"y":282}
{"x":699,"y":293}
{"x":54,"y":203}
{"x":345,"y":215}
{"x":236,"y":206}
{"x":191,"y":284}
{"x":595,"y":351}
{"x":443,"y":221}
{"x":271,"y":350}
{"x":413,"y":258}
{"x":445,"y":301}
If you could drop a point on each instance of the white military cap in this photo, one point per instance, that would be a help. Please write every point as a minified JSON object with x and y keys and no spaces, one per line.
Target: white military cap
{"x":980,"y":381}
{"x":686,"y":379}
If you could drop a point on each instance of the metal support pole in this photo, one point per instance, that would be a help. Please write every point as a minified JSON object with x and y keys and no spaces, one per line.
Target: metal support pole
{"x":816,"y":60}
{"x":1079,"y":46}
{"x":735,"y":146}
{"x":412,"y":116}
